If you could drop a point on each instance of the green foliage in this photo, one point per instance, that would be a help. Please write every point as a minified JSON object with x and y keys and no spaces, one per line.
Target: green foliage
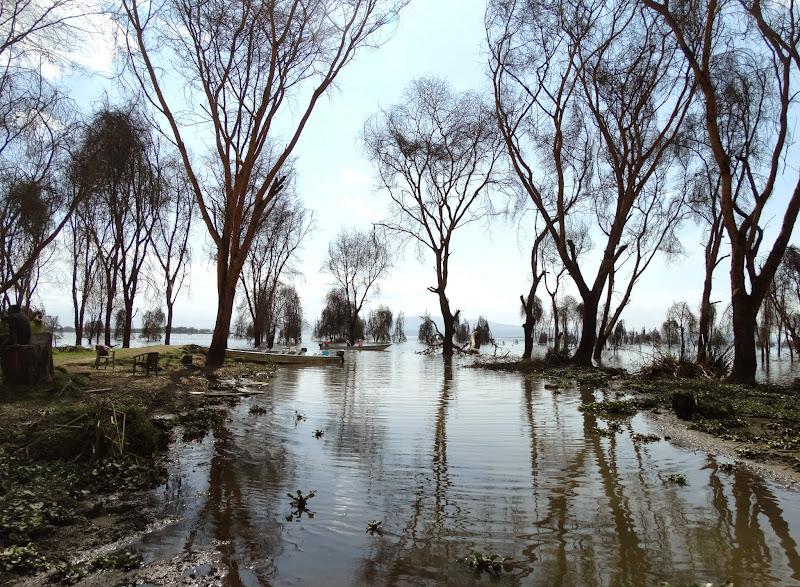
{"x":22,"y":560}
{"x":374,"y":526}
{"x":24,"y":510}
{"x":124,"y":561}
{"x":115,"y":475}
{"x":95,"y":430}
{"x":677,"y":478}
{"x":257,"y":410}
{"x":616,"y":409}
{"x":197,"y":424}
{"x":645,"y":438}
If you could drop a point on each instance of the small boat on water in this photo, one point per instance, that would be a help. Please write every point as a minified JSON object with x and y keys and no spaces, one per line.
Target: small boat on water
{"x":282,"y":358}
{"x":362,"y":346}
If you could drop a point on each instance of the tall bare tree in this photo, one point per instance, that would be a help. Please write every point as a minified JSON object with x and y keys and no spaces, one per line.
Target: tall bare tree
{"x":744,"y":57}
{"x":357,"y":261}
{"x":590,"y":97}
{"x":436,"y":154}
{"x":170,"y":235}
{"x":273,"y":256}
{"x":257,"y":69}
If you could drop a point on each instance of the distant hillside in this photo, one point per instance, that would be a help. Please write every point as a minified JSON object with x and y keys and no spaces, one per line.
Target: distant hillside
{"x":498,"y":330}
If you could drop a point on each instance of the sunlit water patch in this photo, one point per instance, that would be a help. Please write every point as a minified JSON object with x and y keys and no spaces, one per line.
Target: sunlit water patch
{"x":456,"y":460}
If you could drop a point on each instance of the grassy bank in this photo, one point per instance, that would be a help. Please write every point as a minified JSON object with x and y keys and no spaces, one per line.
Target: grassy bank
{"x":68,"y":446}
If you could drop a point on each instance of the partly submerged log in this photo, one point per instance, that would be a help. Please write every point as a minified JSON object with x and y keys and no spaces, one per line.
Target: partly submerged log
{"x":28,"y":364}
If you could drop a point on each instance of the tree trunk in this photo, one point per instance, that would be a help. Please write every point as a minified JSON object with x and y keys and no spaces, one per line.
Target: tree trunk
{"x":600,"y":344}
{"x":745,"y":313}
{"x":126,"y":330}
{"x":28,"y":364}
{"x":219,"y":340}
{"x":583,"y":354}
{"x":449,"y":326}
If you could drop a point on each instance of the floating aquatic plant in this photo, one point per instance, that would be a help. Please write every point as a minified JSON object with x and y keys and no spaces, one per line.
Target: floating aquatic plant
{"x":645,"y":438}
{"x":300,"y":501}
{"x":677,"y":478}
{"x":727,"y":467}
{"x":491,"y":564}
{"x":374,"y":526}
{"x":318,"y":433}
{"x":257,"y":410}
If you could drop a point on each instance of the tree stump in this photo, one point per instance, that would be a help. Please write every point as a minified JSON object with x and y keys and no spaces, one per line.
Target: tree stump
{"x":28,"y":364}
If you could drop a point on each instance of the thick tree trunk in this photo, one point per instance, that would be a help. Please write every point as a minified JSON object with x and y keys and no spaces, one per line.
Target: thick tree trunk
{"x":745,"y":312}
{"x":222,"y":326}
{"x":128,"y":327}
{"x":583,"y":354}
{"x":449,"y":326}
{"x":527,"y":330}
{"x":28,"y":364}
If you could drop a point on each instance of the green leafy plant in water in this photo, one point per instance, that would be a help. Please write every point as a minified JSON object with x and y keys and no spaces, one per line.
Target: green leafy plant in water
{"x":124,"y":561}
{"x":374,"y":526}
{"x":197,"y":424}
{"x":677,"y":478}
{"x":613,"y":428}
{"x":621,"y":408}
{"x":300,"y":501}
{"x":257,"y":410}
{"x":318,"y":433}
{"x":491,"y":564}
{"x":645,"y":438}
{"x":22,"y":560}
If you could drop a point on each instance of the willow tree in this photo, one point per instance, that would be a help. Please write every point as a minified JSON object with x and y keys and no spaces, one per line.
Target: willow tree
{"x":357,"y":261}
{"x":590,"y":97}
{"x":744,"y":57}
{"x":436,"y":153}
{"x":243,"y":77}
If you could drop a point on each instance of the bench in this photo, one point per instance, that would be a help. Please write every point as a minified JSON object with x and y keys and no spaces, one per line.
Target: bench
{"x":102,"y":355}
{"x":146,"y":361}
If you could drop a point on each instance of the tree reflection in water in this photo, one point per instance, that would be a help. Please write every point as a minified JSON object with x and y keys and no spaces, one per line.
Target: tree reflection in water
{"x":456,"y":460}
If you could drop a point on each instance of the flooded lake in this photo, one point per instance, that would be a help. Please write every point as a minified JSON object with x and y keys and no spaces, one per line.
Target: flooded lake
{"x":453,"y":461}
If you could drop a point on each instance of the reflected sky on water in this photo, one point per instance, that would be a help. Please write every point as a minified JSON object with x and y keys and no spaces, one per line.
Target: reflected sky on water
{"x":456,"y":460}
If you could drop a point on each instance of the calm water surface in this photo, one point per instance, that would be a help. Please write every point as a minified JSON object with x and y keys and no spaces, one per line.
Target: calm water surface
{"x":456,"y":460}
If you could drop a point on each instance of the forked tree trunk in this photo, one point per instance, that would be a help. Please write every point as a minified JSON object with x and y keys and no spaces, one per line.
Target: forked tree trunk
{"x":449,"y":327}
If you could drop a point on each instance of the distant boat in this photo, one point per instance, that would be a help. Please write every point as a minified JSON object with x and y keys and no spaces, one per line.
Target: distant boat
{"x":282,"y":358}
{"x":325,"y":346}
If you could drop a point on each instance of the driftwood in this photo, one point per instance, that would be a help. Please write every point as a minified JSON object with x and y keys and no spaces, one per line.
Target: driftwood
{"x":28,"y":364}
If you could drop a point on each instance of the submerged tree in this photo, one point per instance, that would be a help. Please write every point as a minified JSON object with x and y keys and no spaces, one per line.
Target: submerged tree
{"x":379,"y":324}
{"x":435,"y":154}
{"x":273,"y":257}
{"x":258,"y":70}
{"x":744,"y":58}
{"x":590,"y":97}
{"x":357,"y":261}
